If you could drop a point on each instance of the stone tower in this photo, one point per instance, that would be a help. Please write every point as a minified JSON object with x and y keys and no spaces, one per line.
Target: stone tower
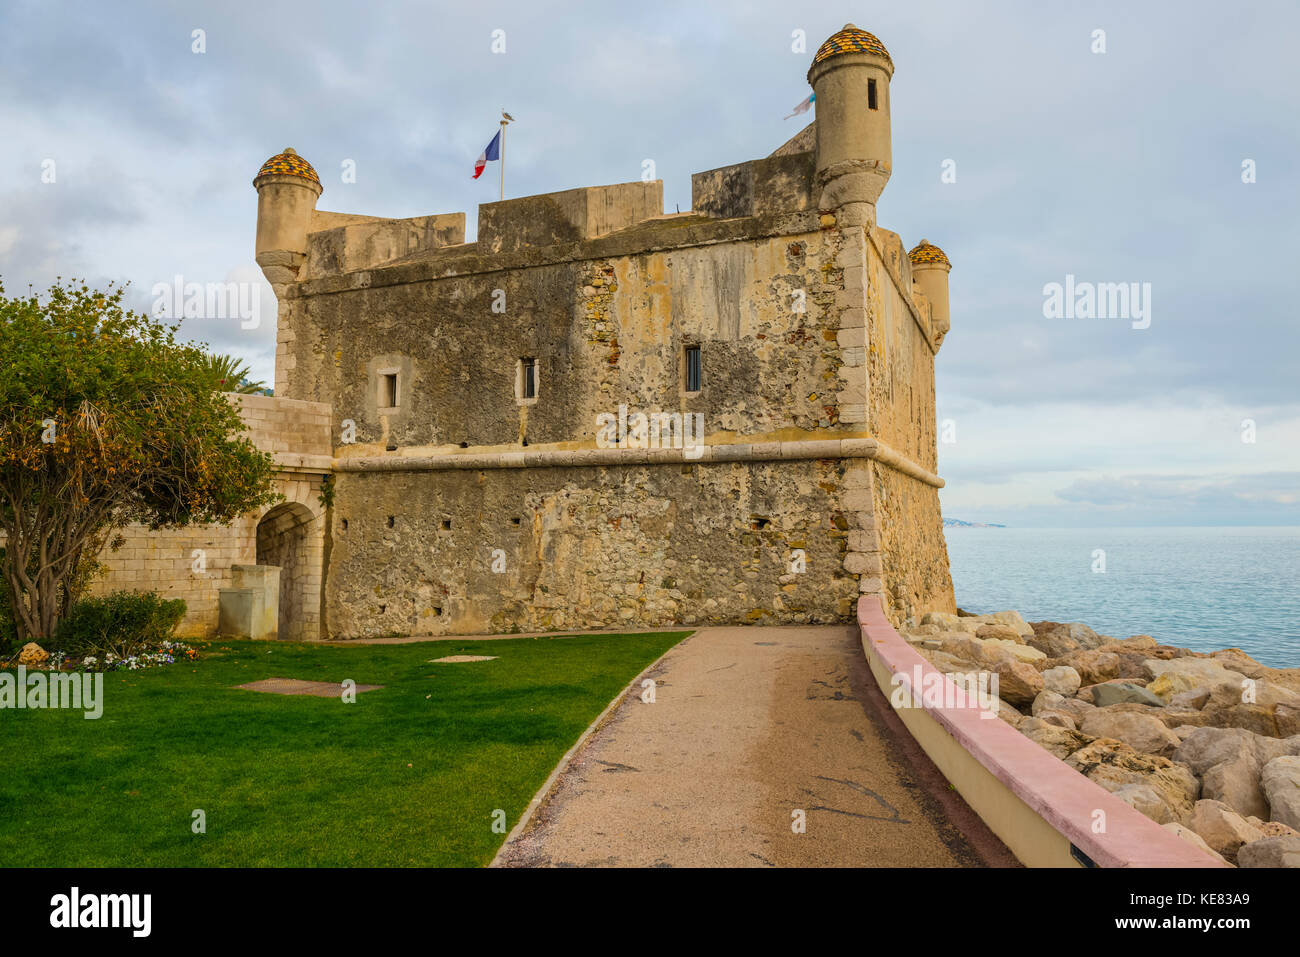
{"x":287,"y":190}
{"x":850,"y":79}
{"x":930,"y":268}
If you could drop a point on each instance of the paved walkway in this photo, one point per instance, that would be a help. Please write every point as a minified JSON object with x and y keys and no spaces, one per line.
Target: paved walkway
{"x":748,"y":726}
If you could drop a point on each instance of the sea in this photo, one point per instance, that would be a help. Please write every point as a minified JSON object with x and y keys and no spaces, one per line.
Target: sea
{"x":1199,"y":588}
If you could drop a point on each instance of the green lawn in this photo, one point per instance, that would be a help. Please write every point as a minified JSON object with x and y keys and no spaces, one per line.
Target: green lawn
{"x":407,"y":776}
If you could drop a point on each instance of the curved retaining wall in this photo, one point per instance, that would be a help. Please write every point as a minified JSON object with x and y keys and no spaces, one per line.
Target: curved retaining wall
{"x":1040,"y":807}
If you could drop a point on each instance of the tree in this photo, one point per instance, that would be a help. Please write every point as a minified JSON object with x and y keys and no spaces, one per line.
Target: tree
{"x":105,"y":419}
{"x":228,"y":374}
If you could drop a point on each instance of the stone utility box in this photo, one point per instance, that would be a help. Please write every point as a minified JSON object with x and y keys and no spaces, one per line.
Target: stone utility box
{"x":440,"y":406}
{"x":251,"y":609}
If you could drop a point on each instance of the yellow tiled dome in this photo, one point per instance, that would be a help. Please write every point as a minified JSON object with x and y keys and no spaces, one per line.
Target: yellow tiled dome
{"x":851,"y":40}
{"x":289,"y":163}
{"x":925,"y":252}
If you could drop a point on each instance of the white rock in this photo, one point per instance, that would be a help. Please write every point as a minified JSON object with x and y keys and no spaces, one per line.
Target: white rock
{"x":1063,"y":679}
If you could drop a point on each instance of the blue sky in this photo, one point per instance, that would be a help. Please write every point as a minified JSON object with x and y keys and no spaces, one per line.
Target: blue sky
{"x":1123,"y":166}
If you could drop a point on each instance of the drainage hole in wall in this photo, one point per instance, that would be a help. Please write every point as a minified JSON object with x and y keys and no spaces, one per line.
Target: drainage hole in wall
{"x":446,"y":525}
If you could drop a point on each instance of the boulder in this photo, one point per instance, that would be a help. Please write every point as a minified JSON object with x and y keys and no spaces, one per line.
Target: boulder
{"x":1017,"y":650}
{"x":1046,"y":700}
{"x":945,"y":662}
{"x":1060,"y":742}
{"x":1139,"y":731}
{"x":1014,"y":619}
{"x":1049,"y":701}
{"x":964,"y":648}
{"x":1256,"y":704}
{"x":1223,"y":828}
{"x":1058,"y":718}
{"x":1280,"y":780}
{"x":1058,"y":639}
{"x":1184,"y":674}
{"x":1062,"y":679}
{"x":1237,"y":660}
{"x":1109,"y":693}
{"x":1001,"y":631}
{"x":1138,"y":642}
{"x":1270,"y":852}
{"x":33,"y":655}
{"x":1093,"y":666}
{"x":941,"y":619}
{"x":1194,"y":699}
{"x":1113,"y":764}
{"x":1273,"y":828}
{"x":1191,"y":837}
{"x":1018,"y":683}
{"x":1229,"y":762}
{"x":1132,"y":664}
{"x":1226,"y":694}
{"x":1146,"y":799}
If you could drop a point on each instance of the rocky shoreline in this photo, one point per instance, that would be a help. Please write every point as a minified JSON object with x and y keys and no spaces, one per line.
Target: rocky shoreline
{"x":1206,"y":745}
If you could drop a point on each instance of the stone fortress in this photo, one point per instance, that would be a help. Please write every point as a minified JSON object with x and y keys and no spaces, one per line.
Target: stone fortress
{"x":438,"y":404}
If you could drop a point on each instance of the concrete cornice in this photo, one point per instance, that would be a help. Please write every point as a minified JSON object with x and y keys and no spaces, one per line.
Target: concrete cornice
{"x":595,"y":457}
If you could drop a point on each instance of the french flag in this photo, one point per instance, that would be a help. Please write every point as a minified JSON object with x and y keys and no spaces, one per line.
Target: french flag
{"x":492,"y":153}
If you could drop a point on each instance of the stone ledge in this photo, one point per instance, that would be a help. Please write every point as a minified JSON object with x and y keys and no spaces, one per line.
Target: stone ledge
{"x":596,"y":457}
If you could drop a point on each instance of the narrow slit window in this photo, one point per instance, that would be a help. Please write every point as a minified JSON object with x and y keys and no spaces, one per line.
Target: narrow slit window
{"x":389,"y":385}
{"x":692,"y":368}
{"x":525,"y":381}
{"x":871,"y":95}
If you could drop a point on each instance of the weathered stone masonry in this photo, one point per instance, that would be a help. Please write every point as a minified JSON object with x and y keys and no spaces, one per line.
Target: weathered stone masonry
{"x":460,"y":504}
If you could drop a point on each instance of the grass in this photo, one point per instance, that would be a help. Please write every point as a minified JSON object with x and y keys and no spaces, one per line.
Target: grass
{"x":408,"y":775}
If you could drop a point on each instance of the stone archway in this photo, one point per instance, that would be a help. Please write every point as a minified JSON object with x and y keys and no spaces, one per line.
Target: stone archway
{"x":288,"y":536}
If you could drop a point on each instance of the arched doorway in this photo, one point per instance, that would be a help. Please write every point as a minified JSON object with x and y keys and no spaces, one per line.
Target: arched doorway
{"x":285,"y":537}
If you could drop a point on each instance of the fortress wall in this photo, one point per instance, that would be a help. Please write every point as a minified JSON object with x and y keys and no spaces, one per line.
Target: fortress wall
{"x":593,"y":547}
{"x":913,"y":553}
{"x":604,"y":331}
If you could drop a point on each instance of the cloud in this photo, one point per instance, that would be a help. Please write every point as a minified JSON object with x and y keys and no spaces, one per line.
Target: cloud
{"x":1108,"y":167}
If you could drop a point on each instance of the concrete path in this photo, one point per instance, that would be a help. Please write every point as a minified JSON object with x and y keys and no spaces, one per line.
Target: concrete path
{"x":749,"y":726}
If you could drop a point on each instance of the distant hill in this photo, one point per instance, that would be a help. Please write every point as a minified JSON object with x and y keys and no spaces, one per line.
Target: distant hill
{"x":958,"y":523}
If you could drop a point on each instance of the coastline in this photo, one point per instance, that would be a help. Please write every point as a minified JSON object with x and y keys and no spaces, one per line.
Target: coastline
{"x":1205,"y":744}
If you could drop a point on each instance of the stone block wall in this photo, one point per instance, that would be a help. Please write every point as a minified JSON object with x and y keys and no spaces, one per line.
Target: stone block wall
{"x":194,"y":563}
{"x":502,"y":550}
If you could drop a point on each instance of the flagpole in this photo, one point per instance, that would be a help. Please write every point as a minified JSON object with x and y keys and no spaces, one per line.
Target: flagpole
{"x":503,"y":159}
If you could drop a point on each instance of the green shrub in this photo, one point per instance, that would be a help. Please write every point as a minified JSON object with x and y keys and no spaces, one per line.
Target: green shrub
{"x":124,"y":623}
